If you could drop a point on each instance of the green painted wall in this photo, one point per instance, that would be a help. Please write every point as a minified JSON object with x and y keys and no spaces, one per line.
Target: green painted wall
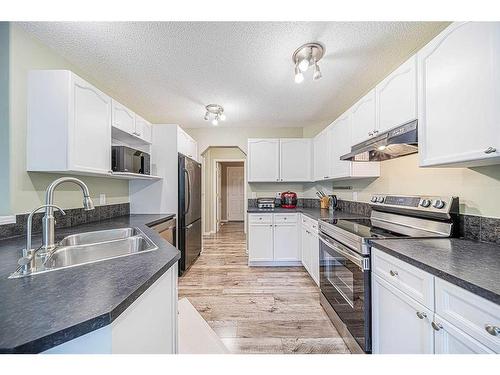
{"x":27,"y":189}
{"x":4,"y":119}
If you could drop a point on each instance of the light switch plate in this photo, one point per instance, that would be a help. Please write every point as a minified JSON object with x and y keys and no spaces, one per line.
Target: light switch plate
{"x":355,"y":196}
{"x":102,"y":199}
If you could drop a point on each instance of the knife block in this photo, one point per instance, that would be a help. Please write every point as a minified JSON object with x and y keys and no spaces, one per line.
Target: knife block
{"x":324,"y":202}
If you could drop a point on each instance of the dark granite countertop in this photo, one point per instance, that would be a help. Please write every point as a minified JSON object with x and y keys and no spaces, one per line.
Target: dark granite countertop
{"x":41,"y":311}
{"x":472,"y":265}
{"x":314,"y":213}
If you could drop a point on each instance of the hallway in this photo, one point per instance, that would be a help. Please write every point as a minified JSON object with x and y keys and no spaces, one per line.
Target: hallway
{"x":257,"y":309}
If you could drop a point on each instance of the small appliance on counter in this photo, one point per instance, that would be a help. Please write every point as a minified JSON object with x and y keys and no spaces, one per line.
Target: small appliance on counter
{"x":333,"y":202}
{"x":265,"y":203}
{"x":288,"y":199}
{"x":129,"y":160}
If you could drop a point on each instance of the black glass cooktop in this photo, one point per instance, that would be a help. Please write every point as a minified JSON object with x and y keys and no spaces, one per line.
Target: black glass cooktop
{"x":363,"y":228}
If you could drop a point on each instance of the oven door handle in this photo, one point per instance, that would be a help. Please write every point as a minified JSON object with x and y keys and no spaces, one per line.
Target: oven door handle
{"x":360,"y":261}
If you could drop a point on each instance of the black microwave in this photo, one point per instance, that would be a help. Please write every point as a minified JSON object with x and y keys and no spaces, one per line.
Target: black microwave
{"x":126,"y":159}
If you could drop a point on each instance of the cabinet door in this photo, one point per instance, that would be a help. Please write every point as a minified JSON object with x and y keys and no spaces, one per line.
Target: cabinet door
{"x":397,"y":96}
{"x":260,"y":242}
{"x":458,"y":96}
{"x":193,"y":148}
{"x":305,"y":251}
{"x":123,"y":118}
{"x":400,"y":324}
{"x":451,"y":340}
{"x":314,"y":257}
{"x":321,"y":156}
{"x":295,"y":159}
{"x":263,"y":160}
{"x":91,"y":131}
{"x":363,"y":118}
{"x":340,"y":140}
{"x":286,"y":242}
{"x":142,"y":129}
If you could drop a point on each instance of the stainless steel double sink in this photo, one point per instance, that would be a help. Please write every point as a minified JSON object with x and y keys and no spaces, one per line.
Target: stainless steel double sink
{"x":90,"y":247}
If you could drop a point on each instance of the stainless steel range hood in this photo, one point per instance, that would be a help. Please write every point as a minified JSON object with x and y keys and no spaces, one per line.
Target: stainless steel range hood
{"x":394,"y":143}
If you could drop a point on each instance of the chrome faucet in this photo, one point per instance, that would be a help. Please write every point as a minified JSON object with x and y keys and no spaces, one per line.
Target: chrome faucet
{"x":48,"y":221}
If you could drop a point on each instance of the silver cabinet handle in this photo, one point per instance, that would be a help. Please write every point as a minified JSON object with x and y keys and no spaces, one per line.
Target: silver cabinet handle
{"x":492,"y":330}
{"x":325,"y":177}
{"x":436,"y":326}
{"x":490,"y":150}
{"x":393,"y":273}
{"x":421,"y":315}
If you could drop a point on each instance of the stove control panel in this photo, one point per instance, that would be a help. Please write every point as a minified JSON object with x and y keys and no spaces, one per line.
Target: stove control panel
{"x":420,"y":203}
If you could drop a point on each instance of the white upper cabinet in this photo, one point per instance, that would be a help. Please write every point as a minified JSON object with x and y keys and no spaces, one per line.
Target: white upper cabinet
{"x":340,"y":138}
{"x":295,"y":159}
{"x":186,"y":145}
{"x":263,"y":160}
{"x":363,"y":118}
{"x":123,"y":118}
{"x":69,"y":124}
{"x":459,"y":96}
{"x":397,"y":97}
{"x":321,"y":145}
{"x":279,"y":160}
{"x":143,"y":129}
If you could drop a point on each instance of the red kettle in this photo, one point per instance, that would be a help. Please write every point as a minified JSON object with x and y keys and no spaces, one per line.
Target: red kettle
{"x":288,"y":199}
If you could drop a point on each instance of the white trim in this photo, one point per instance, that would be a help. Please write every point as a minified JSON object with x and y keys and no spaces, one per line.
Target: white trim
{"x":214,"y":190}
{"x":8,"y":219}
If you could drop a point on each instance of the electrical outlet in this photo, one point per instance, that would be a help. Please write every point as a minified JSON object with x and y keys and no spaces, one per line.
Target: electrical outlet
{"x":254,"y":195}
{"x":355,"y":196}
{"x":278,"y":194}
{"x":102,"y":199}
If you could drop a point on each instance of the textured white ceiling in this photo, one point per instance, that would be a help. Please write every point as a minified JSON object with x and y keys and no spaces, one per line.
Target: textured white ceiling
{"x":168,"y":71}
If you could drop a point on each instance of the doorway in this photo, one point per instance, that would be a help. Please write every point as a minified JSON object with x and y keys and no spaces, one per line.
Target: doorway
{"x":230,"y":192}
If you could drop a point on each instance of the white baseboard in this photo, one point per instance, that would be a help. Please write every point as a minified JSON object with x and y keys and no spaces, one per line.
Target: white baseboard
{"x":290,"y":263}
{"x":7,"y":219}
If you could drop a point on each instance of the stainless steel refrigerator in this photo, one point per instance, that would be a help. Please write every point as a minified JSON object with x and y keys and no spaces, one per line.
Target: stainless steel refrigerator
{"x":189,"y":212}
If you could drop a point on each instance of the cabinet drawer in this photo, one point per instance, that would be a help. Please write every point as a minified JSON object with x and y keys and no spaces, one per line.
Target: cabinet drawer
{"x":285,"y":218}
{"x":472,"y":314}
{"x":260,"y":218}
{"x":414,"y":282}
{"x":308,"y":223}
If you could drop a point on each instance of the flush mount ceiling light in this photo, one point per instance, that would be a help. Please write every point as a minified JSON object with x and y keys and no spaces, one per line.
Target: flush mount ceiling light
{"x":214,"y":112}
{"x":305,"y":56}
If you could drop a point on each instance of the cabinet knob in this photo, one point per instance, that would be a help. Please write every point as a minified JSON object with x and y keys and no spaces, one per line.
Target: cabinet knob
{"x":490,"y":150}
{"x":436,"y":326}
{"x":370,"y":134}
{"x":492,"y":330}
{"x":375,"y":132}
{"x":393,"y":273}
{"x":421,"y":315}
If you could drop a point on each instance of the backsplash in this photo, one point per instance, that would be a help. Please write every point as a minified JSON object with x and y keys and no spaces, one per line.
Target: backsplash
{"x":74,"y":216}
{"x":479,"y":228}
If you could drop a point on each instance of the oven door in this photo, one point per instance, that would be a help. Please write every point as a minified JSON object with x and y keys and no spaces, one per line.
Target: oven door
{"x":345,"y":283}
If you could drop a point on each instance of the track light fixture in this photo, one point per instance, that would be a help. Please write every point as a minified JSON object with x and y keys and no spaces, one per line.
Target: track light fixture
{"x":216,"y":112}
{"x":305,"y":56}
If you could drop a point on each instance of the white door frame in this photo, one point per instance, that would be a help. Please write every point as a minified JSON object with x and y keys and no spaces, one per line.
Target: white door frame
{"x":214,"y":191}
{"x":227,"y":191}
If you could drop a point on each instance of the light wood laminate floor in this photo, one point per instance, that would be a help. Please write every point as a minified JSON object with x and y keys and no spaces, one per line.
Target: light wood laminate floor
{"x":257,"y":309}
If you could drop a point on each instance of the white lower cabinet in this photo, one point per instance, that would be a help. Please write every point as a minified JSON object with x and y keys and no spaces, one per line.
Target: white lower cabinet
{"x":309,"y":242}
{"x":400,"y":324}
{"x":404,"y":320}
{"x":273,"y":240}
{"x":451,"y":340}
{"x":147,"y":326}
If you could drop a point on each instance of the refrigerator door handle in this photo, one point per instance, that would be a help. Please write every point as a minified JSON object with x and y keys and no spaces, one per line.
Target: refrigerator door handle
{"x":189,"y":191}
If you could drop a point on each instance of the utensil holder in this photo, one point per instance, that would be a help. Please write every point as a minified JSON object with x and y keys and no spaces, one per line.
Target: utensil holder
{"x":324,"y":202}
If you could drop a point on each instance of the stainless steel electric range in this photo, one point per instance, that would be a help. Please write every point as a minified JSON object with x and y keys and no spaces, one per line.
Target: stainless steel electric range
{"x":345,"y":279}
